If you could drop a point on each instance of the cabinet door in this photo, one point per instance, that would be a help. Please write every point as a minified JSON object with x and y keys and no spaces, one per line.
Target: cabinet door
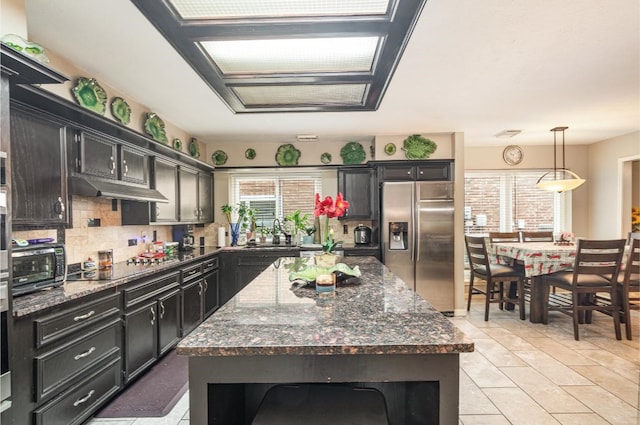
{"x":98,"y":155}
{"x":134,"y":166}
{"x":166,"y":181}
{"x":39,"y":194}
{"x":168,"y":321}
{"x":141,"y":338}
{"x":188,"y":195}
{"x":358,"y":186}
{"x":192,"y":305}
{"x":205,"y":197}
{"x":211,"y":292}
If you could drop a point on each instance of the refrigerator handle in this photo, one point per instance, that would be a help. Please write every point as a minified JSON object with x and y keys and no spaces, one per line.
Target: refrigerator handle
{"x":414,"y":239}
{"x":417,"y":234}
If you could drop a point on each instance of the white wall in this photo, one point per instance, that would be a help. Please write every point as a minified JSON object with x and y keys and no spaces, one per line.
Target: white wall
{"x":605,"y":187}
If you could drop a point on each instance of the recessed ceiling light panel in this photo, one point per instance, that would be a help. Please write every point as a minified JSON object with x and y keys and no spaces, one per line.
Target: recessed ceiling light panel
{"x":335,"y":55}
{"x":237,"y":9}
{"x":302,"y":95}
{"x":301,"y":55}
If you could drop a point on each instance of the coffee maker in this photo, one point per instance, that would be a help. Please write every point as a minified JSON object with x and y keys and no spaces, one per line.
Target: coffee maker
{"x":183,"y":234}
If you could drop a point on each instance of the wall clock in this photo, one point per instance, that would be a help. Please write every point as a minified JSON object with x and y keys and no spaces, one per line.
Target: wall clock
{"x":512,"y":155}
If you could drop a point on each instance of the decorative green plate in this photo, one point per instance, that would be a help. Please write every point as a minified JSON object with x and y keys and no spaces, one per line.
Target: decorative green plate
{"x":29,"y":48}
{"x":177,"y":144}
{"x":353,"y":153}
{"x":325,"y":158}
{"x":90,"y":95}
{"x":287,"y":155}
{"x":121,"y":110}
{"x":219,"y":157}
{"x":194,"y":148}
{"x":250,"y":153}
{"x":154,"y":127}
{"x":418,"y":147}
{"x":390,"y":148}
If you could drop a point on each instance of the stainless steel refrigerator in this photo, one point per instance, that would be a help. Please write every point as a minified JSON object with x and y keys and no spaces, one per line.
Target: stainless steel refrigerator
{"x":417,"y":238}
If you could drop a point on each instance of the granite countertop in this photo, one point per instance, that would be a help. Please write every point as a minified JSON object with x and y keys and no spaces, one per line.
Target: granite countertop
{"x":374,"y":314}
{"x":121,"y":273}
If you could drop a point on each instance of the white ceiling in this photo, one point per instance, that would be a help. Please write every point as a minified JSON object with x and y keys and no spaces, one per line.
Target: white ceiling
{"x":478,"y":67}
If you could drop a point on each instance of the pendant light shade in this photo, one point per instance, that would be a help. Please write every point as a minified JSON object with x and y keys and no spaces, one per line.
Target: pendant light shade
{"x":559,"y":179}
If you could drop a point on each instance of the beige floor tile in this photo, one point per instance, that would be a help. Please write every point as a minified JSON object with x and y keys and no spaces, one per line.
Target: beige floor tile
{"x":552,"y":368}
{"x":497,"y":353}
{"x":615,"y":363}
{"x":472,"y":400}
{"x":518,"y":407}
{"x":550,"y":396}
{"x":605,"y":404}
{"x":470,"y":330}
{"x":483,"y":420}
{"x":510,"y":340}
{"x":482,"y":372}
{"x":611,"y":381}
{"x":580,"y":419}
{"x":559,"y":351}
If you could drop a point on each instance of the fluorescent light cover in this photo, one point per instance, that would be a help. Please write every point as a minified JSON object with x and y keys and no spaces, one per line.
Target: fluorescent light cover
{"x":230,"y":9}
{"x":305,"y":95}
{"x":309,"y":55}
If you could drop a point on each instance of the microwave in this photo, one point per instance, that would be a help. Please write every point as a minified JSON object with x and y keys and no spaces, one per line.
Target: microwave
{"x":37,"y":267}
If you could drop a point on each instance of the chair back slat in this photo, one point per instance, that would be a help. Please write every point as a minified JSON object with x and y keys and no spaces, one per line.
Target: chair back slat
{"x":477,"y":252}
{"x":537,"y":236}
{"x":504,"y":237}
{"x":599,"y":257}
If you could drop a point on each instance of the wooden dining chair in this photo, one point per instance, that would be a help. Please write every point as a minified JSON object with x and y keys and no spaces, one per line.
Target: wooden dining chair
{"x":537,"y":236}
{"x":596,"y":268}
{"x":629,"y":294}
{"x":492,"y":273}
{"x":504,"y":237}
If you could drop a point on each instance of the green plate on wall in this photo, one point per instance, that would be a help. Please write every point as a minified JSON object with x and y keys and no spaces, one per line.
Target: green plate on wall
{"x":325,"y":158}
{"x":250,"y":153}
{"x":154,"y":127}
{"x":90,"y":95}
{"x":353,"y":153}
{"x":219,"y":157}
{"x":121,"y":110}
{"x":287,"y":155}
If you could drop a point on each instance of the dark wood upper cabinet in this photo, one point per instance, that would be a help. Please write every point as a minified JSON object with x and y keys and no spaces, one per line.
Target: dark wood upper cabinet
{"x":39,"y":190}
{"x":358,"y":186}
{"x":166,"y":182}
{"x":188,"y":195}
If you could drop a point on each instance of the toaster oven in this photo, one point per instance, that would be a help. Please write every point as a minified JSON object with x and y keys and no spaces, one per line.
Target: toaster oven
{"x":37,"y":267}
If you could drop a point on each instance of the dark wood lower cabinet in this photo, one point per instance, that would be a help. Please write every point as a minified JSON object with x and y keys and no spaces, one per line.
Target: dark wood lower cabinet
{"x":169,"y":330}
{"x":140,"y":339}
{"x":191,"y":305}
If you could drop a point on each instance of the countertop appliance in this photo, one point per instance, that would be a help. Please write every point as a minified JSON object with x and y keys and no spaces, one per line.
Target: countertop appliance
{"x":362,"y":235}
{"x":37,"y":267}
{"x":418,"y":238}
{"x":183,"y":234}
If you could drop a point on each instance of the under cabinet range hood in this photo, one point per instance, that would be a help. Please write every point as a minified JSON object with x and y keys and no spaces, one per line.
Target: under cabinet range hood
{"x":85,"y":186}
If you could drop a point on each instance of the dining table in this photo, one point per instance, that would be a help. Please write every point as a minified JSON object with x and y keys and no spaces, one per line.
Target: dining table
{"x":538,"y":259}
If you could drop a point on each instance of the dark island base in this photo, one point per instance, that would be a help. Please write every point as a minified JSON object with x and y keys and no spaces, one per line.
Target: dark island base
{"x":418,"y":389}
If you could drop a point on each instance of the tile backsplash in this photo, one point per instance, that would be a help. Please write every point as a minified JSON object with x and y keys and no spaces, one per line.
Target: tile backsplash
{"x":83,"y":241}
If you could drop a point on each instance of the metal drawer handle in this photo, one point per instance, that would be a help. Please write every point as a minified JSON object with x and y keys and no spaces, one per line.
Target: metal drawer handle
{"x":126,"y":167}
{"x":84,"y":316}
{"x":200,"y":288}
{"x":81,"y":400}
{"x":153,"y":316}
{"x":84,"y":354}
{"x":206,"y":286}
{"x":161,"y":309}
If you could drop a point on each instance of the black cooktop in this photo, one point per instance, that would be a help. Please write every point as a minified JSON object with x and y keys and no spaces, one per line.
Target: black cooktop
{"x":116,"y":271}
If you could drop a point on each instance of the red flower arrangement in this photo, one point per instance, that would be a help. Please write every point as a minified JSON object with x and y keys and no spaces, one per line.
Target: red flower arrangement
{"x":329,"y":209}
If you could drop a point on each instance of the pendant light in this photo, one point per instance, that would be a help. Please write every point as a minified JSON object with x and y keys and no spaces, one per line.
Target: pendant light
{"x":560,"y":179}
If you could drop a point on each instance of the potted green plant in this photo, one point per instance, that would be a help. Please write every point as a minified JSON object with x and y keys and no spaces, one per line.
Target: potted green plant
{"x":308,"y":238}
{"x":299,"y":221}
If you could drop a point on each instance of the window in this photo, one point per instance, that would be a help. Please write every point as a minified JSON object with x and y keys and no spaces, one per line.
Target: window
{"x":505,"y":201}
{"x":275,"y":197}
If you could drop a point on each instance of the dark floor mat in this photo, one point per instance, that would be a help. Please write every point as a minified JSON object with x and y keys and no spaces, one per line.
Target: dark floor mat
{"x":155,"y":393}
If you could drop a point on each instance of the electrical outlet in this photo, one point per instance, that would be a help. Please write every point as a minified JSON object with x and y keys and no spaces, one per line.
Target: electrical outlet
{"x":133,"y":242}
{"x":345,"y":229}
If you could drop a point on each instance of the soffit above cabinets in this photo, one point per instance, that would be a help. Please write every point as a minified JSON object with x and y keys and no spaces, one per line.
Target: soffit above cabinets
{"x":289,"y":55}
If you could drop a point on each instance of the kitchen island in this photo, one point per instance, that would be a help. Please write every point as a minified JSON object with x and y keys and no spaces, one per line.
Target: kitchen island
{"x":375,"y":333}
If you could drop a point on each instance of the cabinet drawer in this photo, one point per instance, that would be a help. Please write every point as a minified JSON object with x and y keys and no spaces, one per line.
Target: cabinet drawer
{"x":191,"y":272}
{"x":73,"y":407}
{"x":147,"y":289}
{"x":56,"y":369}
{"x":54,"y":327}
{"x":434,"y":171}
{"x":210,"y":264}
{"x":398,"y":173}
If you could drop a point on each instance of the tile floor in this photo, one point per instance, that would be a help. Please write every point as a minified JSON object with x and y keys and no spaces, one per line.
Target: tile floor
{"x":523,"y":373}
